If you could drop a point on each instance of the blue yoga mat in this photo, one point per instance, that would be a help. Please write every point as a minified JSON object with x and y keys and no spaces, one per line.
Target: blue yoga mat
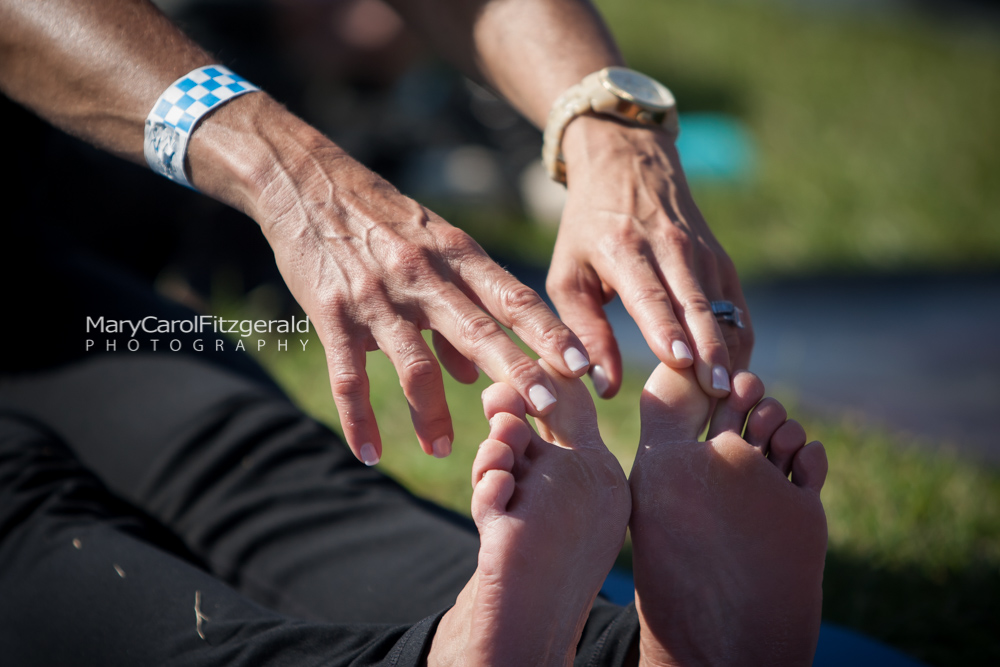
{"x":837,"y":646}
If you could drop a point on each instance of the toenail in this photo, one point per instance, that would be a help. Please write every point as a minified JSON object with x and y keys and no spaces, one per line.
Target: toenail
{"x":541,"y":397}
{"x":368,"y":454}
{"x":681,"y":350}
{"x":720,"y":378}
{"x":575,"y":359}
{"x":441,"y":447}
{"x":600,"y":379}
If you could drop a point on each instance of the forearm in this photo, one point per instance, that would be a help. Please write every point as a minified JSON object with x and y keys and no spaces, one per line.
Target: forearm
{"x":95,"y":68}
{"x":528,"y":50}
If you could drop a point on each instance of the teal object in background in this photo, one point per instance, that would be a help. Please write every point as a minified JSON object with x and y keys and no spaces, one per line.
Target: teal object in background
{"x":715,"y":147}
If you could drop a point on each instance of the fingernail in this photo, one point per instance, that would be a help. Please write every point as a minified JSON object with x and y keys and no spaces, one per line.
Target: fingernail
{"x":368,"y":454}
{"x":680,"y":350}
{"x":441,"y":447}
{"x":600,"y":379}
{"x":720,"y":378}
{"x":541,"y":397}
{"x":575,"y":359}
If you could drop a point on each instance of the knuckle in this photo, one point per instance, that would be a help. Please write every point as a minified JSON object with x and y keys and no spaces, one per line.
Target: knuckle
{"x":679,"y":244}
{"x":454,"y":241}
{"x":649,"y":295}
{"x":522,"y":372}
{"x":695,"y":302}
{"x":348,"y":385}
{"x":477,"y":329}
{"x":408,"y":261}
{"x":419,"y":372}
{"x":517,"y":299}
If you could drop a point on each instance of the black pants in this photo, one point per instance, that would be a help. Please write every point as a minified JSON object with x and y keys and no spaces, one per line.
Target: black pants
{"x":176,"y":508}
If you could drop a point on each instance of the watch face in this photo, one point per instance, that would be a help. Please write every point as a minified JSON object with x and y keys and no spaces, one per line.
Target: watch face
{"x":637,"y":87}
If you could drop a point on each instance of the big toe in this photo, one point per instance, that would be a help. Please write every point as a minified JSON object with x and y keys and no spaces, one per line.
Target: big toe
{"x":674,"y":404}
{"x":573,"y":421}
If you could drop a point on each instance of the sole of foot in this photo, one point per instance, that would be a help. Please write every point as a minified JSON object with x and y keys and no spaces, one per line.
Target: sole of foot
{"x":552,"y":511}
{"x":728,"y":552}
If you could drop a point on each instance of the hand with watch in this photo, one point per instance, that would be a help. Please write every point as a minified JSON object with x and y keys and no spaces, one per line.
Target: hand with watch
{"x":630,"y":227}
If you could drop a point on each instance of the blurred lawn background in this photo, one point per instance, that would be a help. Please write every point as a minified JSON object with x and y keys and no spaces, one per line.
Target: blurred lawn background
{"x":877,"y":140}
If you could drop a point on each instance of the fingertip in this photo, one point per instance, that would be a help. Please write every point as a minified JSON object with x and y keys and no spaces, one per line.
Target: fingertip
{"x":541,"y":398}
{"x":602,"y":383}
{"x":368,"y":454}
{"x":576,"y":361}
{"x":682,"y":354}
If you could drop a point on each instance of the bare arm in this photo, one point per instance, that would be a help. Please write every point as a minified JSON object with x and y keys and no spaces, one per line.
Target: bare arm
{"x":630,"y":225}
{"x":370,"y":266}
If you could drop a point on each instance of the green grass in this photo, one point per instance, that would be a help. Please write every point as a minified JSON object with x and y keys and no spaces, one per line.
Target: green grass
{"x":877,"y":141}
{"x":914,"y":536}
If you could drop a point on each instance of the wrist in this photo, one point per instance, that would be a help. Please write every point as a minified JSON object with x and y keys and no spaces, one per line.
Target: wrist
{"x":240,"y":152}
{"x":594,"y":143}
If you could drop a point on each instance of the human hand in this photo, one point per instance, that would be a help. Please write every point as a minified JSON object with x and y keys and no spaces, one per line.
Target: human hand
{"x":631,"y":227}
{"x":373,"y":268}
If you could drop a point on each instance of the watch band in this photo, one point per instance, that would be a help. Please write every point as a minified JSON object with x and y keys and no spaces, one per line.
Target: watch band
{"x":594,"y":94}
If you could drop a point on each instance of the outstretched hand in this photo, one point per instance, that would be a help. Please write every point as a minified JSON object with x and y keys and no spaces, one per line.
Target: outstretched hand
{"x":373,"y":268}
{"x":631,"y":227}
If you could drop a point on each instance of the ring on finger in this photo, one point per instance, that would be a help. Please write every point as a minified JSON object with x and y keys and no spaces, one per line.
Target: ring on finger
{"x":728,"y":312}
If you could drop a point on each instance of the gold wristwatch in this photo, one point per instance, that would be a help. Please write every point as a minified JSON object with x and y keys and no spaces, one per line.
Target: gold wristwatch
{"x":613,"y":91}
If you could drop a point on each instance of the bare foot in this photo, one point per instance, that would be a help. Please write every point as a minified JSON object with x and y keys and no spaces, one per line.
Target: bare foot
{"x":551,"y":521}
{"x":728,"y":553}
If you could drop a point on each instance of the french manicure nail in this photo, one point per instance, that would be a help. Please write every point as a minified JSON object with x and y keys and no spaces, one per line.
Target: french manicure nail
{"x":441,"y":447}
{"x":720,"y":378}
{"x":600,"y":379}
{"x":575,"y":359}
{"x":541,"y":397}
{"x":368,"y":454}
{"x":680,"y":350}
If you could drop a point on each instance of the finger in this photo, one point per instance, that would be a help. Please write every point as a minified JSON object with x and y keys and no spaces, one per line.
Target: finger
{"x":740,"y":341}
{"x":731,"y":412}
{"x":518,"y":307}
{"x":478,"y":337}
{"x":644,"y":296}
{"x":349,"y":384}
{"x":458,"y":366}
{"x":580,"y":305}
{"x":420,"y":377}
{"x":711,"y":354}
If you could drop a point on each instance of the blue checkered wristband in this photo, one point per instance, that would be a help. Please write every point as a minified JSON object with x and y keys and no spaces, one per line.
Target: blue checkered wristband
{"x":178,"y":111}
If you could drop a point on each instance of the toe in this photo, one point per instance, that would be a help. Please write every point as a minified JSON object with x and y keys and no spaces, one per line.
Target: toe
{"x":731,"y":412}
{"x":673,"y":404}
{"x":785,"y":444}
{"x":502,"y":397}
{"x":492,"y":455}
{"x":764,"y":420}
{"x":809,"y":467}
{"x":573,"y":421}
{"x":491,"y":495}
{"x":511,"y":430}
